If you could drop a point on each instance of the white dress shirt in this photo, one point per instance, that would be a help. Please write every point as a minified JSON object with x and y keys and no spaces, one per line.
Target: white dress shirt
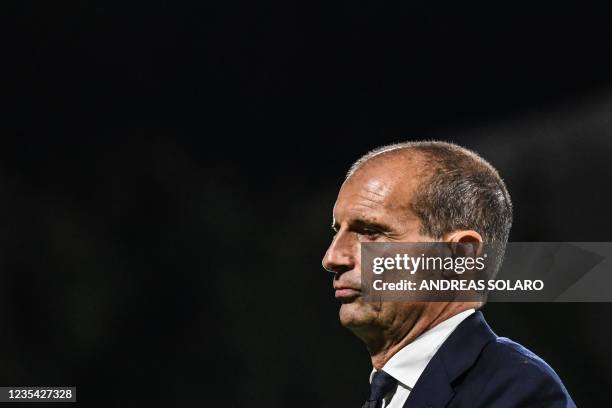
{"x":407,"y":365}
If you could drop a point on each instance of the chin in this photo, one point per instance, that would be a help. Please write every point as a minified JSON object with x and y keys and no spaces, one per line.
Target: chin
{"x":357,"y":314}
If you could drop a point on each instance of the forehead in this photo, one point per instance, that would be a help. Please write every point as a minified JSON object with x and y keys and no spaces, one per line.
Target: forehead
{"x":381,"y":187}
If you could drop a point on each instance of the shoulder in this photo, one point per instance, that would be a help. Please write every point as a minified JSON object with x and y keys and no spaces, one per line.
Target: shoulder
{"x":517,"y":376}
{"x":509,"y":355}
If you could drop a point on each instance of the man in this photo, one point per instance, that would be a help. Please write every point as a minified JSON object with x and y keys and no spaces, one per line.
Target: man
{"x":431,"y":354}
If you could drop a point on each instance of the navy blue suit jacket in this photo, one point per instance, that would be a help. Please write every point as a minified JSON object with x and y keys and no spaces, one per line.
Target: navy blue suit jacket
{"x":476,"y":368}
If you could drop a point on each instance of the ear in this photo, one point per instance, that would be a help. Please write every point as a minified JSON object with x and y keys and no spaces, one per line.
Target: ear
{"x":468,"y":242}
{"x":463,"y":237}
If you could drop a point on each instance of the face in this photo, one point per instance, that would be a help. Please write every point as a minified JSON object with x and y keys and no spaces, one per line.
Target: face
{"x":372,"y":205}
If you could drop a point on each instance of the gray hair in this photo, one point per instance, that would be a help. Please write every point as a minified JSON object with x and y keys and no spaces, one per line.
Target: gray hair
{"x":459,"y":190}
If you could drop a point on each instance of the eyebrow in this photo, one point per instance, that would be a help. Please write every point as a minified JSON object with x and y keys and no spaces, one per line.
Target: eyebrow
{"x":361,"y":222}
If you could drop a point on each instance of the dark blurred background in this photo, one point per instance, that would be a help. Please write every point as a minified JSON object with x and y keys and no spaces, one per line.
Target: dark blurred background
{"x":168,"y":171}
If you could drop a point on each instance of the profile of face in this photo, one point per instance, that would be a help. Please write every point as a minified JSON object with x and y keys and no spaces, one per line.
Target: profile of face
{"x":373,"y":205}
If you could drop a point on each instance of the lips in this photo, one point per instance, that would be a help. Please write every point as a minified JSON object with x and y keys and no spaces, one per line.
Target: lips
{"x":346,"y":293}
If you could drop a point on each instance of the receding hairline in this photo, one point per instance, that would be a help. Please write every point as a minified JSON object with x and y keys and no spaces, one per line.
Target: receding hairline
{"x":422,"y":149}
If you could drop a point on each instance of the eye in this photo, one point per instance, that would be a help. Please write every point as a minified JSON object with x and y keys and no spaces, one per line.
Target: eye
{"x":371,"y":233}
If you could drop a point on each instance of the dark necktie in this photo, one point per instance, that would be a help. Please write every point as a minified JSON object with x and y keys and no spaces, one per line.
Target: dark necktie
{"x":382,"y":384}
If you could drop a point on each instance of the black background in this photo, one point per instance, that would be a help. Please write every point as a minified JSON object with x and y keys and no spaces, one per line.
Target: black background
{"x":168,"y":172}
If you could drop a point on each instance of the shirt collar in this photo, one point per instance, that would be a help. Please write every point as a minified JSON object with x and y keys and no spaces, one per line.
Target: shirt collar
{"x":408,"y":364}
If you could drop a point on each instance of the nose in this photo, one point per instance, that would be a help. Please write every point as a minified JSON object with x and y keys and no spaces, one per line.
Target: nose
{"x":340,"y":256}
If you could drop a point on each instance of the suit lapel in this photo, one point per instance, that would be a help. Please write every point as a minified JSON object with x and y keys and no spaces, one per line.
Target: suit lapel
{"x":433,"y":387}
{"x":456,"y":355}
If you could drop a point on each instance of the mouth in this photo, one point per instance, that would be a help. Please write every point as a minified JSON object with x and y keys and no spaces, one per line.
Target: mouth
{"x":347,"y":294}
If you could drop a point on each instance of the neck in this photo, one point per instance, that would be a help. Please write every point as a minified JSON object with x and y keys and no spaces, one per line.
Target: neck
{"x":383,"y":343}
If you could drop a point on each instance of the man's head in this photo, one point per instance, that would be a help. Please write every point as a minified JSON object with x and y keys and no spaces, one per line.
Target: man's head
{"x":410,"y":192}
